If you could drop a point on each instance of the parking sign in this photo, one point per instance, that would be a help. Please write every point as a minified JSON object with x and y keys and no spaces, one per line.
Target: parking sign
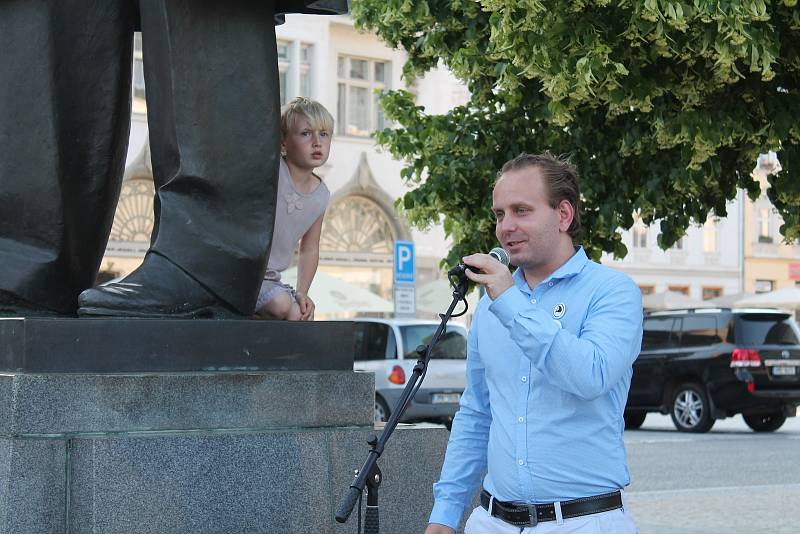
{"x":404,"y":268}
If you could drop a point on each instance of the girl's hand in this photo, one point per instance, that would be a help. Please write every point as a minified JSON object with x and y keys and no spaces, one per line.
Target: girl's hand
{"x":306,"y":307}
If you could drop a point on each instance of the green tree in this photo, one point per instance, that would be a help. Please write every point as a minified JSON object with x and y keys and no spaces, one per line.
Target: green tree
{"x":663,"y":105}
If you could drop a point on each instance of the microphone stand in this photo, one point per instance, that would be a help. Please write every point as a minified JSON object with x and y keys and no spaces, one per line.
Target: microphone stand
{"x":370,"y":475}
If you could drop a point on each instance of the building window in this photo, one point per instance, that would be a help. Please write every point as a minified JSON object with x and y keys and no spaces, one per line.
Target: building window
{"x":764,"y":234}
{"x":306,"y":53}
{"x":710,"y":236}
{"x":679,"y":289}
{"x":711,"y":292}
{"x":764,"y":286}
{"x":647,"y":290}
{"x":138,"y":104}
{"x":283,"y":70}
{"x":133,"y":220}
{"x":357,"y":224}
{"x":639,"y":233}
{"x":359,"y":80}
{"x":294,"y":69}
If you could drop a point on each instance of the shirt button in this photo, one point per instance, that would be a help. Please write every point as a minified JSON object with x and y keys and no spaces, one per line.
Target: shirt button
{"x":533,"y":301}
{"x":524,"y":378}
{"x":550,"y":284}
{"x":520,"y":419}
{"x":521,"y":462}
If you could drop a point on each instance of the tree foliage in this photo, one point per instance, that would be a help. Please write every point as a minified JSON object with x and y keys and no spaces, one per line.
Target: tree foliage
{"x":663,"y":105}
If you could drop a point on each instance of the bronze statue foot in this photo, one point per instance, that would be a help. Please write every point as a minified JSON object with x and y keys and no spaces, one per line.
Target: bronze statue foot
{"x":13,"y":306}
{"x":158,"y":288}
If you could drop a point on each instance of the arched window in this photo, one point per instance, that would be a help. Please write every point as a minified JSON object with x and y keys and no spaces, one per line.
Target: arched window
{"x":357,"y":224}
{"x":133,"y":221}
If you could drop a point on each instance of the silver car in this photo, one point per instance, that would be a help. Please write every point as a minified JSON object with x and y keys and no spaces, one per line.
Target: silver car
{"x":387,"y":347}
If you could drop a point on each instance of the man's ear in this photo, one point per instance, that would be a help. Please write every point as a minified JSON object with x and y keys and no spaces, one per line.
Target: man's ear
{"x":566,"y":213}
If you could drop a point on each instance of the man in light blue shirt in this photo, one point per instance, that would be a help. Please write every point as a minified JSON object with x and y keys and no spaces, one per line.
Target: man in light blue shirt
{"x":549,"y":365}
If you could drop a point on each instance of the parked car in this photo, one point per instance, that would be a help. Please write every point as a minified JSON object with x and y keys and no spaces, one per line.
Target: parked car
{"x":700,"y":365}
{"x":387,"y":347}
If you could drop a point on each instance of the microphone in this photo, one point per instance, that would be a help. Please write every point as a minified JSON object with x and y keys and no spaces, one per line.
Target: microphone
{"x":460,"y":270}
{"x":500,"y":255}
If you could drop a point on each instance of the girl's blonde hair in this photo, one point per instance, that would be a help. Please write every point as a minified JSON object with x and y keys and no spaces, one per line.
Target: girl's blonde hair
{"x":319,"y":117}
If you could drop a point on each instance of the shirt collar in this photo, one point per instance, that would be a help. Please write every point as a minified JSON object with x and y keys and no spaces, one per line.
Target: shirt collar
{"x":573,"y":266}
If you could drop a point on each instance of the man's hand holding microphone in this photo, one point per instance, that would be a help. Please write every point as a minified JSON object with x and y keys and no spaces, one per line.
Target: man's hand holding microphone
{"x":489,"y":270}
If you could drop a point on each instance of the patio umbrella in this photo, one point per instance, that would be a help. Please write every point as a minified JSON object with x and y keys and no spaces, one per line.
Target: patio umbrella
{"x":671,"y":300}
{"x":436,"y":296}
{"x":729,"y":301}
{"x":334,"y":295}
{"x":787,"y":298}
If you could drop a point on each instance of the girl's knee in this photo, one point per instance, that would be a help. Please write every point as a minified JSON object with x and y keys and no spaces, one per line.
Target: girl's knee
{"x":279,"y":307}
{"x":294,"y":312}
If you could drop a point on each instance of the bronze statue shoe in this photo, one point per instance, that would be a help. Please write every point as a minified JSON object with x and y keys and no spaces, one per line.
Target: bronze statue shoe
{"x":157,"y":288}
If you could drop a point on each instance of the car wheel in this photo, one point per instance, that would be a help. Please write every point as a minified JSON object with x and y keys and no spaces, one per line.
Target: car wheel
{"x":691,"y":411}
{"x":381,"y":410}
{"x":634,"y":420}
{"x":765,"y":422}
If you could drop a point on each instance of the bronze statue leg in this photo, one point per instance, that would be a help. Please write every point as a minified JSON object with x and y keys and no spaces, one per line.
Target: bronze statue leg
{"x":213,"y":114}
{"x":64,"y":122}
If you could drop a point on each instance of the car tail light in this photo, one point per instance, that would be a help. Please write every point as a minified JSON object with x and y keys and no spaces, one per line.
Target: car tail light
{"x":745,"y":358}
{"x":397,"y":376}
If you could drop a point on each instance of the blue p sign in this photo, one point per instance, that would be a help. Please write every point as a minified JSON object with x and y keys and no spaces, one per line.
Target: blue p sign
{"x":404,"y":262}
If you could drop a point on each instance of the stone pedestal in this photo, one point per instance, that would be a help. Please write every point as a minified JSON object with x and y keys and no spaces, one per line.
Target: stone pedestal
{"x":195,"y":451}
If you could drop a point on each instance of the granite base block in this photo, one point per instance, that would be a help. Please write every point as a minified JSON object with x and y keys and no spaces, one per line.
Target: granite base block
{"x":272,"y":483}
{"x":32,"y":486}
{"x":268,"y":452}
{"x":85,"y":403}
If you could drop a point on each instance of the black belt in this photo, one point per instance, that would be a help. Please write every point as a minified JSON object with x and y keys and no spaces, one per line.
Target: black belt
{"x":530,"y":514}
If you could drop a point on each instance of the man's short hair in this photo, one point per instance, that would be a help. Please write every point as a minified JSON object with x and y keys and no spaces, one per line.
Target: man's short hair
{"x":561,"y":178}
{"x":319,"y":117}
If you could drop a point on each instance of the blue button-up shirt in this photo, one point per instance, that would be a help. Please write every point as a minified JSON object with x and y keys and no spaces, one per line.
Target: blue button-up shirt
{"x":548,"y":372}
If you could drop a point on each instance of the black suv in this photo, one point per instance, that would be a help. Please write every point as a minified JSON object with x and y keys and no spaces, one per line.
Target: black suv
{"x":706,"y":364}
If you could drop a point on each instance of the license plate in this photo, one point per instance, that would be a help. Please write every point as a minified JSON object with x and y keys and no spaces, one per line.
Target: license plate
{"x":784,"y":371}
{"x":445,"y":398}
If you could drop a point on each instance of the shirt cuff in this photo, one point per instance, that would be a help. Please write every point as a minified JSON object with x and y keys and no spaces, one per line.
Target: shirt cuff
{"x":508,"y":305}
{"x":446,"y":513}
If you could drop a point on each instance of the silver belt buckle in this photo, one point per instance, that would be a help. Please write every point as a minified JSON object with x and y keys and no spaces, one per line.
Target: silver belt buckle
{"x":534,"y":520}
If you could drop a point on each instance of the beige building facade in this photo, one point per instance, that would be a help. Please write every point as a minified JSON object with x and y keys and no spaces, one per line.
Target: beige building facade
{"x":769,"y":262}
{"x":742,"y":253}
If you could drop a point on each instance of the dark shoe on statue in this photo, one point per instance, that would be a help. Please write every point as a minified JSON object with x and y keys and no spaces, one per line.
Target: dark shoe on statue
{"x":158,"y":288}
{"x":13,"y":306}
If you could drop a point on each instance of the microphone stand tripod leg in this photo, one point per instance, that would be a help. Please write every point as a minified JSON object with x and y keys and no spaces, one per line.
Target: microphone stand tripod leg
{"x":371,"y":518}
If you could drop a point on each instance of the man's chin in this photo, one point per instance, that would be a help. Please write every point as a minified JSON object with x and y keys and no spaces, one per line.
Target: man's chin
{"x":517,"y":253}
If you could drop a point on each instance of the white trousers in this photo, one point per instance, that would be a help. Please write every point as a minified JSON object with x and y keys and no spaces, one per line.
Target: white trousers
{"x":612,"y":522}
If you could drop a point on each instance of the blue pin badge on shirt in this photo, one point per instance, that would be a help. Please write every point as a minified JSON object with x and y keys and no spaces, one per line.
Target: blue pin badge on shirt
{"x":559,"y":310}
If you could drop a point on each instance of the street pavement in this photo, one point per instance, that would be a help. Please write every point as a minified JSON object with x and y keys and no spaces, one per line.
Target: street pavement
{"x":729,"y":480}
